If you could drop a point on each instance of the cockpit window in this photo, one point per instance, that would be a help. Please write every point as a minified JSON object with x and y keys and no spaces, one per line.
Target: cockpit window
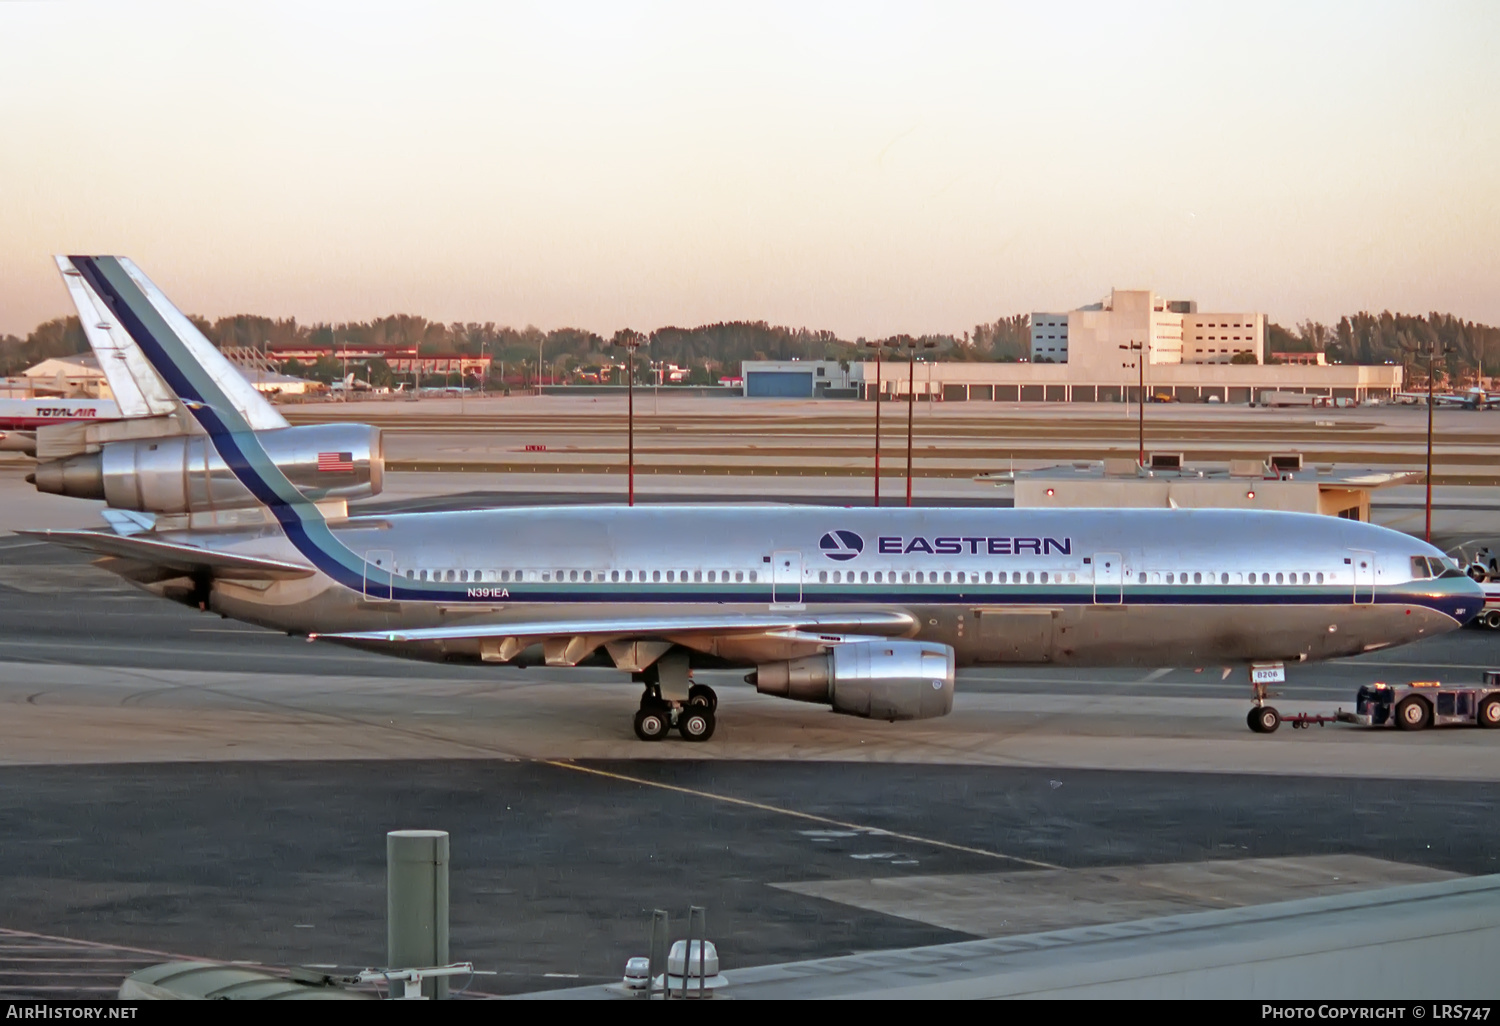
{"x":1419,"y":567}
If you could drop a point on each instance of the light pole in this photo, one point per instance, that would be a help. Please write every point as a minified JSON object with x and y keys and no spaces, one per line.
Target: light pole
{"x":1140,"y":397}
{"x":879,"y":387}
{"x":629,"y":341}
{"x":1432,"y":355}
{"x":911,"y":401}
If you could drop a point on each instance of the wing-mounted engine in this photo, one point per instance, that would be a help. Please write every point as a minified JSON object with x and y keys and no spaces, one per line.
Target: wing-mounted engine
{"x":881,"y":680}
{"x":186,"y":474}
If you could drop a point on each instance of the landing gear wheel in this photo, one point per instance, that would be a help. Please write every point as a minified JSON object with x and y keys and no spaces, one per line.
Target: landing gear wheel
{"x":1263,"y":719}
{"x":652,"y":723}
{"x":1489,"y":712}
{"x":1492,"y":619}
{"x":1413,"y":714}
{"x":696,"y":723}
{"x":702,"y":694}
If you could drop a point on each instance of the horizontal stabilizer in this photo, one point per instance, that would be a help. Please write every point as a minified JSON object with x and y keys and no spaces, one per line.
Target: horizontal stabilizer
{"x":881,"y":623}
{"x":187,"y":559}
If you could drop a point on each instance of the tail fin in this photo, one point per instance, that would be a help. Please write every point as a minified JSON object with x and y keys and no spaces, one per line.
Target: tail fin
{"x":139,"y":391}
{"x":183,"y":360}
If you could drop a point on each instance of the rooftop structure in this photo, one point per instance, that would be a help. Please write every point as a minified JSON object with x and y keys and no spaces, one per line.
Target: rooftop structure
{"x":1279,"y":482}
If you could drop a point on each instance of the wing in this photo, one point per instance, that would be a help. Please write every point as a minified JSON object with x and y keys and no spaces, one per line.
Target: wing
{"x":635,"y":642}
{"x":182,"y":559}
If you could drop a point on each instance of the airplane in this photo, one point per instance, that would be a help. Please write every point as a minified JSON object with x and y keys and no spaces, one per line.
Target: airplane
{"x":222,"y":506}
{"x":21,"y":418}
{"x":1470,"y":399}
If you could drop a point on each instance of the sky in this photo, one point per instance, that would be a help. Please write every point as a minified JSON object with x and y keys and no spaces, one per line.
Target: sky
{"x":863,"y":168}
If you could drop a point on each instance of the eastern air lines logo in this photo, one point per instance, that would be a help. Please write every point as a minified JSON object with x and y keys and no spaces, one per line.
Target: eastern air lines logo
{"x":841,"y":545}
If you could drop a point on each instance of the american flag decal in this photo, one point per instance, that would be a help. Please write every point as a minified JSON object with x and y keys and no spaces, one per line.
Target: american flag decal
{"x":336,"y":462}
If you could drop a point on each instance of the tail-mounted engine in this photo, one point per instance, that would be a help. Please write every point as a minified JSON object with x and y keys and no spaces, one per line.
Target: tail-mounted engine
{"x":186,"y":474}
{"x":882,"y":680}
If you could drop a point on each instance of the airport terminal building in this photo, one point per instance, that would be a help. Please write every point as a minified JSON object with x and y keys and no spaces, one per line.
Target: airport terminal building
{"x":1090,"y":355}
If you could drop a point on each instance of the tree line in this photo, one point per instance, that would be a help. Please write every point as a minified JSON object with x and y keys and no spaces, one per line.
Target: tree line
{"x":710,"y":351}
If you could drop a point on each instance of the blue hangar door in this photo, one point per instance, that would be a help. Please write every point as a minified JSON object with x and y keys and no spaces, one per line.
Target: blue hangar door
{"x":779,"y":384}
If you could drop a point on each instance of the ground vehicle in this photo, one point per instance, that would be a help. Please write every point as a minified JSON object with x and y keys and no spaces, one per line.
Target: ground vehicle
{"x":1483,"y":569}
{"x":1424,"y":703}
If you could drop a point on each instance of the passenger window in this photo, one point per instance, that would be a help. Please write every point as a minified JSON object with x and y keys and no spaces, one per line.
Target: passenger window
{"x":629,"y":575}
{"x":1306,"y":578}
{"x":463,"y":575}
{"x":1030,"y":577}
{"x":947,"y":577}
{"x":1278,"y":578}
{"x":878,"y":579}
{"x":710,"y":577}
{"x":697,"y":576}
{"x":614,"y":575}
{"x":1169,"y":578}
{"x":411,"y":574}
{"x":752,"y":576}
{"x":656,"y":575}
{"x":989,"y":576}
{"x":1044,"y":577}
{"x":822,"y":576}
{"x":1320,"y":577}
{"x":1155,"y":577}
{"x":1197,"y":578}
{"x":864,"y":577}
{"x":669,"y":577}
{"x":1141,"y":579}
{"x":906,"y":577}
{"x":1072,"y":577}
{"x":739,"y":576}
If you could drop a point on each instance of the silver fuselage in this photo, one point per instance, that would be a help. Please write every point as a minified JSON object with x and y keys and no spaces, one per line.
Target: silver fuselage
{"x":1002,"y":586}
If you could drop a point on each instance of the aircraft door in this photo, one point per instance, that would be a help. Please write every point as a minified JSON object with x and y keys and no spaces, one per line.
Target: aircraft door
{"x":378,"y":564}
{"x":1364,"y":575}
{"x":786,"y":576}
{"x":1108,"y":578}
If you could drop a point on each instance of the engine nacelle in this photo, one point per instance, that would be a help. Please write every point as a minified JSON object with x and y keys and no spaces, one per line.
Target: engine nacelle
{"x":186,"y":474}
{"x":881,"y":680}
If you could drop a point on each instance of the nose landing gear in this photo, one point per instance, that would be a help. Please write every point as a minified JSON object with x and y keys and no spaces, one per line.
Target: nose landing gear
{"x":1263,"y":718}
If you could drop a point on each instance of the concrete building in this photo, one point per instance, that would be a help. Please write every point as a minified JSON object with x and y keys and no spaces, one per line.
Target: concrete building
{"x":1085,"y":355}
{"x":1073,"y":382}
{"x":800,"y":379}
{"x":1093,"y":336}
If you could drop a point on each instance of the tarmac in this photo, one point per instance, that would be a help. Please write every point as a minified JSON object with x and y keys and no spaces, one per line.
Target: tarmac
{"x":179,"y":785}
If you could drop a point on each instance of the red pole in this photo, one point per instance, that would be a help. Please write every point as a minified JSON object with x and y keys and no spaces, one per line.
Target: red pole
{"x":630,"y":417}
{"x":1140,"y":395}
{"x":911,"y":405}
{"x":1427,"y":537}
{"x":877,"y":426}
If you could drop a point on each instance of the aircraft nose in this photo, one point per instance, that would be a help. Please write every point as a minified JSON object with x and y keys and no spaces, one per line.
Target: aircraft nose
{"x":1468,"y":597}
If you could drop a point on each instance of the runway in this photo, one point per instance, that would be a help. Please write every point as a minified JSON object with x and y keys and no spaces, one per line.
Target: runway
{"x":176,"y":782}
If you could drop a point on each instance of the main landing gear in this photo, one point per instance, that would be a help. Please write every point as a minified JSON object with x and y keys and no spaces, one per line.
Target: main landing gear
{"x":694,"y":719}
{"x":672,"y":700}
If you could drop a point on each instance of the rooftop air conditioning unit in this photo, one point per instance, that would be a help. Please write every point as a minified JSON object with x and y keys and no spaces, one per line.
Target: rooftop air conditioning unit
{"x":1285,"y":462}
{"x":1166,"y":461}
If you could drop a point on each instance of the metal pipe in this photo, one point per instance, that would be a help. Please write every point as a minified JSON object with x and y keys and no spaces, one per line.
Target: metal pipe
{"x":697,"y":927}
{"x":658,"y":951}
{"x":416,"y":903}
